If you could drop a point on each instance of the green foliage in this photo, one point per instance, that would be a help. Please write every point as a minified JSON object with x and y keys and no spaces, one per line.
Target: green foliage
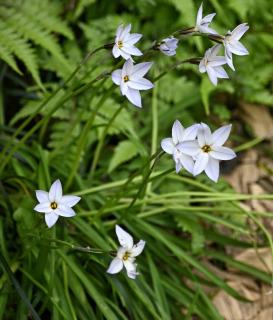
{"x":85,"y":133}
{"x":25,"y":23}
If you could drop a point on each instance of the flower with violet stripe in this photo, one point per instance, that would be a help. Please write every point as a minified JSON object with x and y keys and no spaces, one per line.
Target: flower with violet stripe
{"x":168,"y":46}
{"x":124,"y":43}
{"x":126,"y":254}
{"x":212,"y":64}
{"x":202,"y":24}
{"x":54,"y":204}
{"x":208,"y":150}
{"x":233,"y":45}
{"x":172,"y":145}
{"x":130,"y":79}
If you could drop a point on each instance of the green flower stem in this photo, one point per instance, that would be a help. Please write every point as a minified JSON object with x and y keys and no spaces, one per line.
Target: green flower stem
{"x":154,"y":128}
{"x":116,"y":184}
{"x":102,"y":138}
{"x":175,"y":65}
{"x":142,"y":187}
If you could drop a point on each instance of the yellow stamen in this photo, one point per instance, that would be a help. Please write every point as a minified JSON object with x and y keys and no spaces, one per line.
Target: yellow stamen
{"x":120,"y":44}
{"x":126,"y":256}
{"x":126,"y":79}
{"x":206,"y":148}
{"x":54,"y":205}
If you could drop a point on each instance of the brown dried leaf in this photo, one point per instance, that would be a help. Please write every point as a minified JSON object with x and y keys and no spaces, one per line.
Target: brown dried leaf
{"x":260,"y":258}
{"x":259,"y":118}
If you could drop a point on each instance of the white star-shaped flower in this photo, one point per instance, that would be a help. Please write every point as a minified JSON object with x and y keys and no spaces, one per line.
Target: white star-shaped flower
{"x":172,"y":145}
{"x":168,"y":46}
{"x":233,"y":45}
{"x":126,"y":254}
{"x":208,"y":150}
{"x":124,"y":43}
{"x":54,"y":204}
{"x":202,"y":24}
{"x":130,"y":79}
{"x":211,"y":63}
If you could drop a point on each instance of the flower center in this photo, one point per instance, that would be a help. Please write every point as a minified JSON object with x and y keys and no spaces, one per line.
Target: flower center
{"x":126,"y":78}
{"x":126,"y":256}
{"x":120,"y":44}
{"x":54,"y":205}
{"x":206,"y":148}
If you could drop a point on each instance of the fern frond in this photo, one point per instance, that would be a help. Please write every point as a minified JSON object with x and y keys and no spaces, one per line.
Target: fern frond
{"x":25,"y":23}
{"x":31,"y":30}
{"x":6,"y":55}
{"x":10,"y":40}
{"x":45,"y":14}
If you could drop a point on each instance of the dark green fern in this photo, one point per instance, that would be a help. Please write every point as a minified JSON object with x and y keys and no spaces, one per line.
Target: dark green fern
{"x":26,"y":26}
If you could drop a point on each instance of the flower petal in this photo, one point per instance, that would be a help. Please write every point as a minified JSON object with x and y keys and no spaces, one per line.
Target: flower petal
{"x":116,"y":51}
{"x":228,"y":56}
{"x":238,"y":48}
{"x":202,"y":66}
{"x":124,"y":238}
{"x":130,"y":268}
{"x":204,"y":135}
{"x":70,"y":201}
{"x":42,"y":196}
{"x":132,"y":50}
{"x":119,"y":31}
{"x":65,"y":211}
{"x":56,"y":191}
{"x":214,"y":50}
{"x":220,"y":136}
{"x":199,"y":15}
{"x":140,"y":84}
{"x":140,"y":70}
{"x":116,"y":266}
{"x":187,"y":162}
{"x":116,"y":76}
{"x":205,"y":29}
{"x":178,"y":166}
{"x":190,"y":148}
{"x":201,"y":163}
{"x":167,"y":145}
{"x":212,"y":169}
{"x":212,"y":75}
{"x":133,"y":38}
{"x":51,"y":218}
{"x":217,"y":61}
{"x":137,"y":248}
{"x":221,"y":72}
{"x":222,"y":153}
{"x":127,"y":68}
{"x":207,"y":19}
{"x":43,"y":207}
{"x":239,"y":31}
{"x":177,"y":132}
{"x":123,"y":87}
{"x":134,"y":97}
{"x":125,"y":55}
{"x":125,"y":31}
{"x":191,"y":132}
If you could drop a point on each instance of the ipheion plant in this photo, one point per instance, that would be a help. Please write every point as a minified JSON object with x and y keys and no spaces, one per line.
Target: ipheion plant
{"x":126,"y":254}
{"x":54,"y":204}
{"x":195,"y":148}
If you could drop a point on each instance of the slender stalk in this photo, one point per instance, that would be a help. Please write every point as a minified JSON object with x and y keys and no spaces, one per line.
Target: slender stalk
{"x":154,"y":129}
{"x":101,"y":141}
